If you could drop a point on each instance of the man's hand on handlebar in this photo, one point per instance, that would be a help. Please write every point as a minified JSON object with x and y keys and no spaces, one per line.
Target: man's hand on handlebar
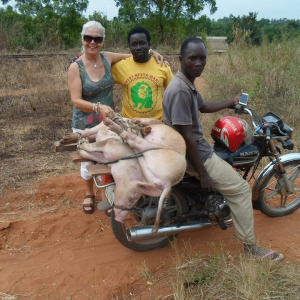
{"x":237,"y":98}
{"x":235,"y":101}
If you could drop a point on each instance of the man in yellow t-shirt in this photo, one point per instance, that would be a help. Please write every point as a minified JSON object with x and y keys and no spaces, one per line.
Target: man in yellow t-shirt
{"x":141,"y":78}
{"x":143,"y":81}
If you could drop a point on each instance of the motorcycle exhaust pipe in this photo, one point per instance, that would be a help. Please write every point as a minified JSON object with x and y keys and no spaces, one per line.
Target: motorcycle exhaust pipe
{"x":140,"y":233}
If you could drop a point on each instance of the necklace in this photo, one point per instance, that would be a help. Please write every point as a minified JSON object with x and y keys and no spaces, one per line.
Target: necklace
{"x":95,"y":64}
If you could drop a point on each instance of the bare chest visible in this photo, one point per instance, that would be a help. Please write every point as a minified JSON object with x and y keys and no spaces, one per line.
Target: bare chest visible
{"x":95,"y":73}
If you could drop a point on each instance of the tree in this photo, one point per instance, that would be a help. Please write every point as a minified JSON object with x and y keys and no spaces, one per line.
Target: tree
{"x":200,"y":27}
{"x":54,"y":22}
{"x":60,"y":7}
{"x":163,"y":16}
{"x":249,"y":24}
{"x":115,"y":31}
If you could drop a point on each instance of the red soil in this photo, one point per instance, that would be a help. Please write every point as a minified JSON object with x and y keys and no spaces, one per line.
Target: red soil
{"x":50,"y":249}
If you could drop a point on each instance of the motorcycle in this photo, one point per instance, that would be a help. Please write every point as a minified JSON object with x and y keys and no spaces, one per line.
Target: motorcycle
{"x":275,"y":191}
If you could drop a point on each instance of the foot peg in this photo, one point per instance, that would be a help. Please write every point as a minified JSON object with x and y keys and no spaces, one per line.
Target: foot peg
{"x":222,"y":225}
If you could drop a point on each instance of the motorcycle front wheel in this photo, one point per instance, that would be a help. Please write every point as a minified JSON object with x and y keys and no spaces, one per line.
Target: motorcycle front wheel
{"x":274,"y":200}
{"x":177,"y":200}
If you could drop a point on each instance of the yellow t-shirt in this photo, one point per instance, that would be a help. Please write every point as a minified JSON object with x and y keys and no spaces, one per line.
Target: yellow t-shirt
{"x":142,"y":85}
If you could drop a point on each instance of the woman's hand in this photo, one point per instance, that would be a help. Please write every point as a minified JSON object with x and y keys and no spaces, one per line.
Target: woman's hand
{"x":105,"y":111}
{"x":159,"y":58}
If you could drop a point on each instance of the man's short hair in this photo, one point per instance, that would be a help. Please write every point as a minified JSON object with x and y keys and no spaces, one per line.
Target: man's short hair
{"x":138,"y":30}
{"x":190,"y":40}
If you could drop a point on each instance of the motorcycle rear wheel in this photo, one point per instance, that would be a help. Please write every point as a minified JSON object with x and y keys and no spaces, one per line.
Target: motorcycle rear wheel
{"x":273,"y":198}
{"x":119,"y":229}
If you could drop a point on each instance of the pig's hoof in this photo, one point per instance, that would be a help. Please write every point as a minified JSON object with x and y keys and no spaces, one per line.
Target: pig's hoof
{"x":136,"y":120}
{"x":81,"y":142}
{"x":108,"y":122}
{"x":146,"y":130}
{"x":69,"y":138}
{"x":113,"y":126}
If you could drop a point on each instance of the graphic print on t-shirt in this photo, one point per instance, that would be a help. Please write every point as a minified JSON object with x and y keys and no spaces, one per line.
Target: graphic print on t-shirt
{"x":141,"y":95}
{"x":142,"y":91}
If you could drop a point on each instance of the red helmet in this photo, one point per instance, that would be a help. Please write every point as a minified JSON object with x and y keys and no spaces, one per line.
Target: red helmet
{"x":231,"y":132}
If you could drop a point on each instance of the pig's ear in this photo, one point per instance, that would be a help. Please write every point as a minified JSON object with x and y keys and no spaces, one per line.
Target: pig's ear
{"x":148,"y":189}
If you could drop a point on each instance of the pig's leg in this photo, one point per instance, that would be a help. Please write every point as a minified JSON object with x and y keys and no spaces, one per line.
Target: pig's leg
{"x":145,"y":121}
{"x":111,"y":149}
{"x":84,"y":145}
{"x":69,"y":139}
{"x":73,"y":137}
{"x":94,"y":156}
{"x":133,"y":141}
{"x":91,"y":147}
{"x":91,"y":133}
{"x":87,"y":150}
{"x":155,"y":191}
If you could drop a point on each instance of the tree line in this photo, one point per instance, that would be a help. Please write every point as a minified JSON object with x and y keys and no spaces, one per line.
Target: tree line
{"x":56,"y":24}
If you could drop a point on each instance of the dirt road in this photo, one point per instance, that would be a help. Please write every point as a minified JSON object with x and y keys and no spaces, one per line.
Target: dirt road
{"x":54,"y":251}
{"x":50,"y":249}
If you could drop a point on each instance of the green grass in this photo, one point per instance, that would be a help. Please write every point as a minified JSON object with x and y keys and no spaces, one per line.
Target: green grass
{"x":269,"y":74}
{"x":222,"y":276}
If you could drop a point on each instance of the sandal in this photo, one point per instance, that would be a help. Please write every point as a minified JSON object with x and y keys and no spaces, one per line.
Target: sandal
{"x":90,"y":205}
{"x":256,"y":252}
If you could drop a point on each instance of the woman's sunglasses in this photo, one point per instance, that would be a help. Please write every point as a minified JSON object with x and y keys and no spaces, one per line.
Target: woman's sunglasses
{"x":89,"y":38}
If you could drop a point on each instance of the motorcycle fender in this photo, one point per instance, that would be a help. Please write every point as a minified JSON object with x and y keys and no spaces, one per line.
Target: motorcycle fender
{"x":267,"y":170}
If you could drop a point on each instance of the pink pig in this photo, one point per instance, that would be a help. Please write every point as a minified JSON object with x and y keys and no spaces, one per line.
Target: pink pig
{"x":161,"y":165}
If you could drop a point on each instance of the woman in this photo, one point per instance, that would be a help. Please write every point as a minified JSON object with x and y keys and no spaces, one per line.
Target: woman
{"x":91,"y":88}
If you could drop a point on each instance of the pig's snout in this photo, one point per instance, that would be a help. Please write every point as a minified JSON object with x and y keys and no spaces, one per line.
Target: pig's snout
{"x":120,"y":215}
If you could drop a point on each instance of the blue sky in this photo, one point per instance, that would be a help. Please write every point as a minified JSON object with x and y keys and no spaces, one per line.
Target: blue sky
{"x":268,"y":9}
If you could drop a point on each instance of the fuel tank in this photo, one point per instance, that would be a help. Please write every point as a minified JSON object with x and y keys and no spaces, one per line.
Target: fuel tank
{"x":244,"y":157}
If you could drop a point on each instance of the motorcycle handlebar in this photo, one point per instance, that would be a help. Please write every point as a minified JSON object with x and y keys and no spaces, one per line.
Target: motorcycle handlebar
{"x":235,"y":107}
{"x":238,"y":108}
{"x":267,"y":130}
{"x":242,"y":109}
{"x":232,"y":107}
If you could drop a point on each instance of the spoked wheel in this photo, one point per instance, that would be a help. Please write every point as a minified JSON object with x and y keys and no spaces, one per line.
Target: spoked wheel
{"x":144,"y":214}
{"x":274,"y":199}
